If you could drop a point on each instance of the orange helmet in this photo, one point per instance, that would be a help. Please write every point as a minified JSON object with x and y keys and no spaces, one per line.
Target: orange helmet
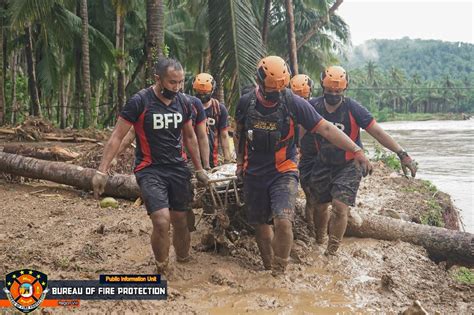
{"x":204,"y":83}
{"x":273,"y":73}
{"x":302,"y":85}
{"x":334,"y":78}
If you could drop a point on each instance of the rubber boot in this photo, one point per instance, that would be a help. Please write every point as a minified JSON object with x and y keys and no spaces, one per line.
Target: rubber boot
{"x":279,"y":265}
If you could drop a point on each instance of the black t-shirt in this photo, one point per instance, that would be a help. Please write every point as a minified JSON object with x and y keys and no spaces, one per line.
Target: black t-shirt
{"x":157,"y":127}
{"x":349,"y":117}
{"x":217,"y":121}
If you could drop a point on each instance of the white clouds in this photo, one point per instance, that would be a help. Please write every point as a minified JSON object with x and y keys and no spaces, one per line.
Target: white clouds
{"x":443,"y":20}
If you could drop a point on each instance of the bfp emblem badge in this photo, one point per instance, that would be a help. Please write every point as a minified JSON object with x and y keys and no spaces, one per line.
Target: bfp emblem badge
{"x":26,"y":289}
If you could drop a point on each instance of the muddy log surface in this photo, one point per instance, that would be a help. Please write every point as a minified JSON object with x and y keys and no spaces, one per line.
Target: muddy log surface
{"x":442,"y":244}
{"x":63,"y":232}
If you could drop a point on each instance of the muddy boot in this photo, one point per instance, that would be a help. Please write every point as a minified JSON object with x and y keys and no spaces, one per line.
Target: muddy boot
{"x":279,"y":265}
{"x":333,"y":246}
{"x":267,"y":261}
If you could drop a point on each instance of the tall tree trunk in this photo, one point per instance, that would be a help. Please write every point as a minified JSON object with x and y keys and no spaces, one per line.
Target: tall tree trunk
{"x":85,"y":64}
{"x":98,"y":96}
{"x":2,"y":69}
{"x":290,"y":28}
{"x":77,"y":105}
{"x":14,"y":105}
{"x":35,"y":109}
{"x":120,"y":48}
{"x":266,"y":21}
{"x":62,"y":94}
{"x":154,"y":36}
{"x":68,"y":100}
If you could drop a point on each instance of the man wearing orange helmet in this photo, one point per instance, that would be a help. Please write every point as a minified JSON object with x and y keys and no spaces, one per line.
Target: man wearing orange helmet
{"x":335,"y":176}
{"x":265,"y":140}
{"x":217,"y":118}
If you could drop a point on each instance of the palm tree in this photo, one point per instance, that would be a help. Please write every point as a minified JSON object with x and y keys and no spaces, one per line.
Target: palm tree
{"x":290,"y":27}
{"x":266,"y":21}
{"x":235,"y":43}
{"x":154,"y":35}
{"x":2,"y":74}
{"x":85,"y":64}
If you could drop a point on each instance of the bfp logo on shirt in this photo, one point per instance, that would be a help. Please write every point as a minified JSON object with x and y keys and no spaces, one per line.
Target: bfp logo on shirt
{"x":162,"y":121}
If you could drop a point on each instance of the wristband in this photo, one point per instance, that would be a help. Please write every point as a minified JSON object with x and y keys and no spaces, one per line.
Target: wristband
{"x":100,"y":173}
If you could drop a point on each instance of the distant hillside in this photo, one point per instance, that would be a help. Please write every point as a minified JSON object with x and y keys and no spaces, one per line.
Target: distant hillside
{"x":430,"y":59}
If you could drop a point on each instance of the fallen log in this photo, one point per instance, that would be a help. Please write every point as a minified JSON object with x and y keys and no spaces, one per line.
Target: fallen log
{"x":53,"y":137}
{"x":441,"y":243}
{"x":55,"y":153}
{"x":121,"y":186}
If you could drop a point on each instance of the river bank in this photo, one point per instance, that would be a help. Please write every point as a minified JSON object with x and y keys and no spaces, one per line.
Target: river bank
{"x":62,"y":232}
{"x":386,"y":116}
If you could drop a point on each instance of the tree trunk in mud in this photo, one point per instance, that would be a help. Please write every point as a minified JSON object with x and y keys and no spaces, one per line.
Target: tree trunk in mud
{"x":122,"y":186}
{"x":442,"y":244}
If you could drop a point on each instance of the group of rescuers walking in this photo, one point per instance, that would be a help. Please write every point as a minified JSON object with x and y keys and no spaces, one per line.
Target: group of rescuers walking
{"x":272,"y":121}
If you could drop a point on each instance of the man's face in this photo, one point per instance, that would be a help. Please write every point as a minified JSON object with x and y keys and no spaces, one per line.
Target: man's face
{"x":173,"y":80}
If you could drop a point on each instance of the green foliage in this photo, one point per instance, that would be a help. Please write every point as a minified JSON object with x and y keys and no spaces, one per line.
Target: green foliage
{"x":389,"y":159}
{"x":236,"y":43}
{"x":434,"y":216}
{"x":429,"y":186}
{"x":412,"y":76}
{"x":430,"y":59}
{"x":464,"y":275}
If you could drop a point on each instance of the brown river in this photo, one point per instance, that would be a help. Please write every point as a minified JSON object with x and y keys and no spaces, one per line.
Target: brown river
{"x":445,"y":153}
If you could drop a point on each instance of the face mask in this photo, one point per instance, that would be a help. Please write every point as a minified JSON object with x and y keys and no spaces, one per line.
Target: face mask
{"x":332,"y":99}
{"x":204,"y":97}
{"x":168,"y":93}
{"x":271,"y":96}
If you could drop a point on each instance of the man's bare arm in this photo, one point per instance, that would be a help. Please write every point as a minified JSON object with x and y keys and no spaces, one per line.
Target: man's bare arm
{"x":190,"y":141}
{"x":113,"y":145}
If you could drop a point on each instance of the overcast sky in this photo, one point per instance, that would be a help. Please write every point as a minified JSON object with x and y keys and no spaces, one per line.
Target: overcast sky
{"x":444,"y":20}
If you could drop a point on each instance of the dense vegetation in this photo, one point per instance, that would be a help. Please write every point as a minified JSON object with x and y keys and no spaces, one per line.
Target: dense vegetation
{"x":412,"y":76}
{"x":75,"y":62}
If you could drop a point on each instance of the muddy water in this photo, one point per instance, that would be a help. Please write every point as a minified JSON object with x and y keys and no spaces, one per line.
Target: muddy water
{"x":445,"y":152}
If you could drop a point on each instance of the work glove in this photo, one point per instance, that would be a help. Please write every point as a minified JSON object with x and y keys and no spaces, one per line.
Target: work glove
{"x":407,"y":162}
{"x":98,"y":183}
{"x":202,"y":177}
{"x":362,"y":163}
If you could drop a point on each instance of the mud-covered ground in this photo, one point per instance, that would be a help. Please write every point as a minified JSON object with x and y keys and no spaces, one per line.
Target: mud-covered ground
{"x":65,"y":234}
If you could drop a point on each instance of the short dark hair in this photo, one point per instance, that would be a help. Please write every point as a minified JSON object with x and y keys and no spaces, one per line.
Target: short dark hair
{"x":162,"y":65}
